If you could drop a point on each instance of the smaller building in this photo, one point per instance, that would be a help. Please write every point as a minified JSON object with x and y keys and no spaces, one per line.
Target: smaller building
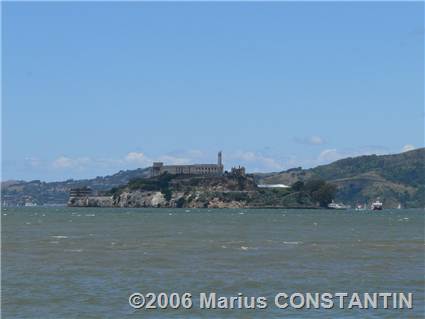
{"x":81,"y":192}
{"x":238,"y":171}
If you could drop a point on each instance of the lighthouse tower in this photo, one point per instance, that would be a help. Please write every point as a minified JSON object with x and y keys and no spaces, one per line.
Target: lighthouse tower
{"x":219,"y":161}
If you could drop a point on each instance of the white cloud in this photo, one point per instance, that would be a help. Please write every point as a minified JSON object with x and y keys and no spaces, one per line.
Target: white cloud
{"x":329,"y":155}
{"x":311,"y":140}
{"x":255,"y":161}
{"x":135,"y":157}
{"x":408,"y":147}
{"x":174,"y":160}
{"x":33,"y":161}
{"x":63,"y":162}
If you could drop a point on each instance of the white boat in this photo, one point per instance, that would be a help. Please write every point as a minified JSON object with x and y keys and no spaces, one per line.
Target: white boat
{"x":361,"y":207}
{"x":376,"y":205}
{"x":30,"y":204}
{"x":334,"y":205}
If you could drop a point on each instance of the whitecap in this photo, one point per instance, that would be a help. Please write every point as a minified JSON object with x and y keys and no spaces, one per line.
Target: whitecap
{"x":54,"y":242}
{"x":90,"y":215}
{"x":73,"y":250}
{"x":223,"y":246}
{"x":4,"y":214}
{"x":59,"y":236}
{"x":244,"y":248}
{"x":292,"y":242}
{"x":187,"y":211}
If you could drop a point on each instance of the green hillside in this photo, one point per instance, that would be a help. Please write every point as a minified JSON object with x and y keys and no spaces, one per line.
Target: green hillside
{"x":397,"y":178}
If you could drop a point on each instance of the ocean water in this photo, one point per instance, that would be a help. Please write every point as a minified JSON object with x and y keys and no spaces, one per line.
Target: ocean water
{"x":86,"y":262}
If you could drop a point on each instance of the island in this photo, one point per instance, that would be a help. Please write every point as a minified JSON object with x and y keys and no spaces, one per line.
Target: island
{"x":205,"y":186}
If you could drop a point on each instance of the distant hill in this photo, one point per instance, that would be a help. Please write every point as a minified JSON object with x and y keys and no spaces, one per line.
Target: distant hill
{"x":397,"y":178}
{"x":42,"y":193}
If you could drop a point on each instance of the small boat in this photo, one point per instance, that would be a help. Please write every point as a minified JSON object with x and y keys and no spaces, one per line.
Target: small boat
{"x":334,"y":205}
{"x":361,"y":207}
{"x":399,"y":206}
{"x":30,"y":204}
{"x":376,"y":205}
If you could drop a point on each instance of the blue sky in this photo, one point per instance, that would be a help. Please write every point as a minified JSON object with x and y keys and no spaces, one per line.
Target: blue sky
{"x":92,"y":88}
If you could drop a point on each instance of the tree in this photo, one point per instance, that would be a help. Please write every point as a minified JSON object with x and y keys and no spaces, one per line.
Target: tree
{"x":324,"y":194}
{"x":298,"y":186}
{"x":318,"y":190}
{"x":313,"y":185}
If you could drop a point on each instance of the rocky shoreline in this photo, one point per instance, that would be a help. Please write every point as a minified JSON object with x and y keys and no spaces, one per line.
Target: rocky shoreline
{"x":227,"y":191}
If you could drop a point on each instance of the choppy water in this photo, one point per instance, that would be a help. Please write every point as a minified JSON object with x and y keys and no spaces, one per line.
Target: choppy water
{"x":84,"y":263}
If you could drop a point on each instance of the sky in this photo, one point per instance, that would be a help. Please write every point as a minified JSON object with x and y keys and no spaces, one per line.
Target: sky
{"x":89,"y":89}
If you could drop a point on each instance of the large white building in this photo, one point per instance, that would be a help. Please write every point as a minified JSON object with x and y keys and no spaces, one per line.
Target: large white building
{"x":159,"y":168}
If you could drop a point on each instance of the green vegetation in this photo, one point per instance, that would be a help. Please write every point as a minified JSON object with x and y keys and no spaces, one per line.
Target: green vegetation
{"x":397,"y":178}
{"x":317,"y":190}
{"x":160,"y":183}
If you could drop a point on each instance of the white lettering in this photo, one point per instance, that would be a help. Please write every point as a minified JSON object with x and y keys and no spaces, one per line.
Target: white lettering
{"x":292,"y":300}
{"x":373,"y":301}
{"x":355,"y":301}
{"x":385,"y":295}
{"x":327,"y":302}
{"x":341,"y":296}
{"x":207,"y":302}
{"x":277,"y":300}
{"x":403,"y":300}
{"x":312,"y":300}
